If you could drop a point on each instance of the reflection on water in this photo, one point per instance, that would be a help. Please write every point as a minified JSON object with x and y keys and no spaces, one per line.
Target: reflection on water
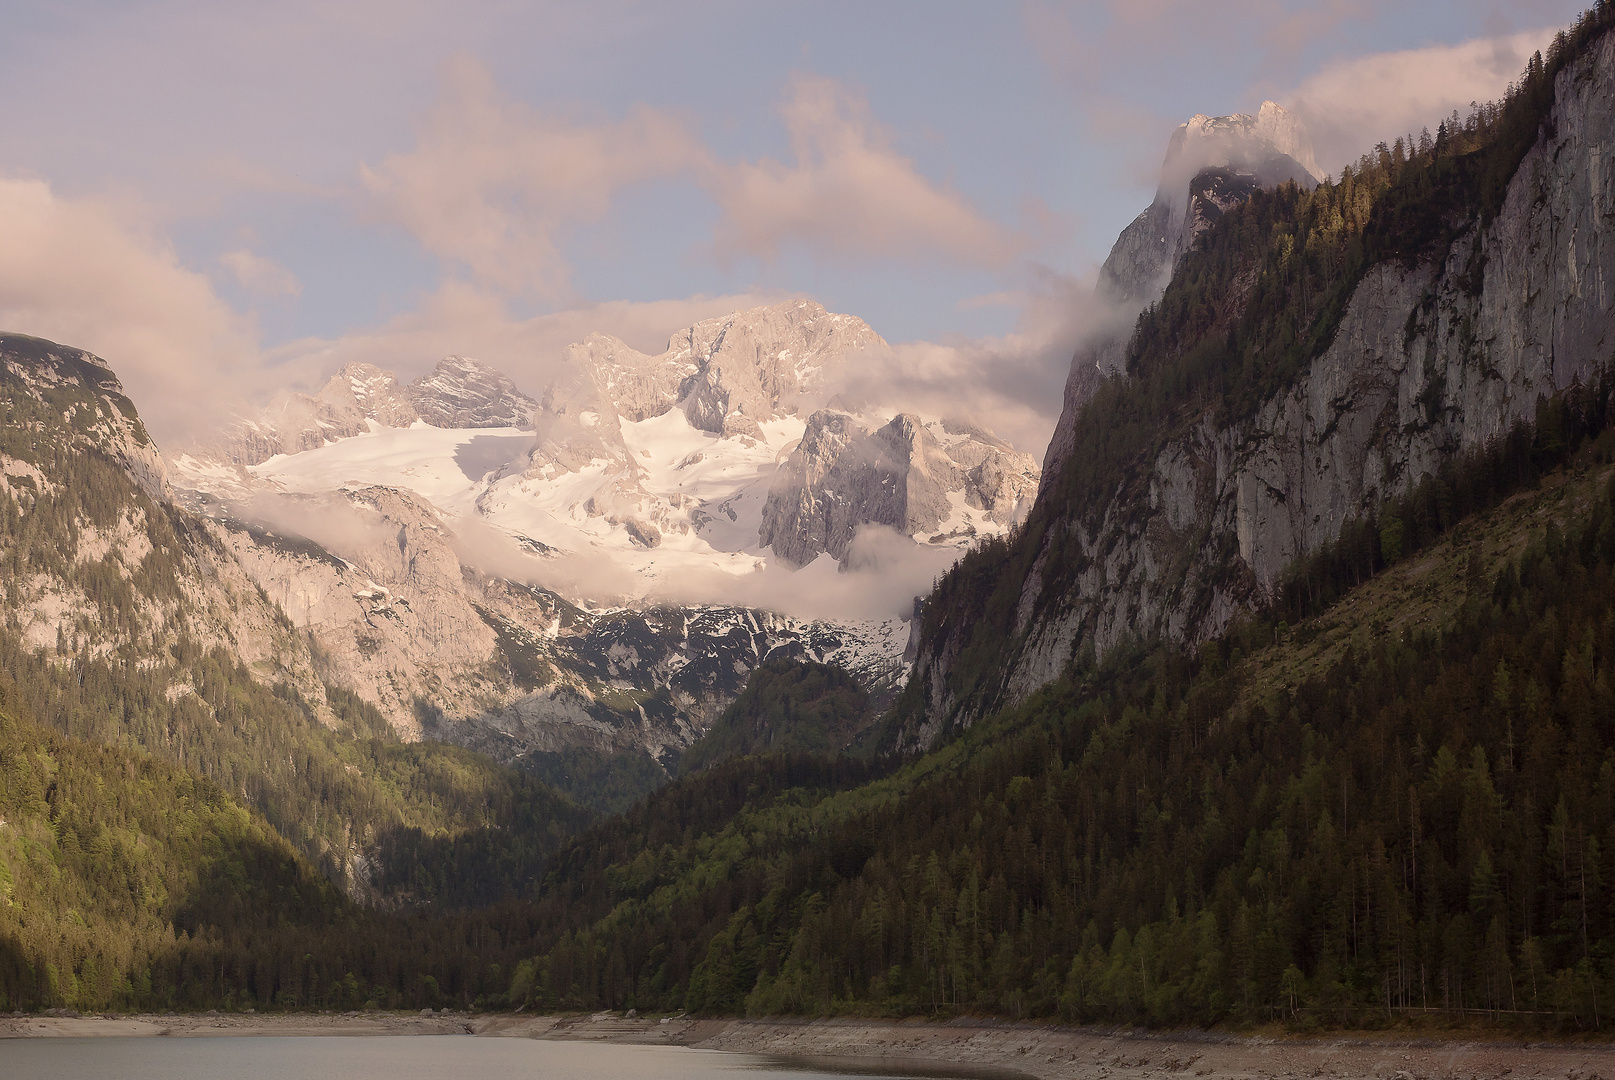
{"x":419,"y":1057}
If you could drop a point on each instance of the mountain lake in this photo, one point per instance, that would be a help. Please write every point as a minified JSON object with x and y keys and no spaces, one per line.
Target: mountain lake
{"x":421,"y":1057}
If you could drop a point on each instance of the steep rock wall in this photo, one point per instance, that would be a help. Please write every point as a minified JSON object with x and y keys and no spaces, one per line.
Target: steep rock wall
{"x":1424,"y":364}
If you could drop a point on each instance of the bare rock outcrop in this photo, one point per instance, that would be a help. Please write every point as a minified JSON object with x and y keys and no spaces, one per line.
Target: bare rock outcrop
{"x":751,"y":366}
{"x":1428,"y":359}
{"x":843,"y":476}
{"x":371,"y":393}
{"x":727,"y":375}
{"x":464,"y":393}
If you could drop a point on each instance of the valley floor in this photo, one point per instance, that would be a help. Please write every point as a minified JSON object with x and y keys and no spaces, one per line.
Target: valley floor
{"x":961,"y":1048}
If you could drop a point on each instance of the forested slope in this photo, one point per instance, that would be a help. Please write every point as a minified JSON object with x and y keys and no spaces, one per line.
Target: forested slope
{"x":787,"y":707}
{"x":1404,"y":802}
{"x":162,"y":646}
{"x":1316,"y":353}
{"x":129,"y":883}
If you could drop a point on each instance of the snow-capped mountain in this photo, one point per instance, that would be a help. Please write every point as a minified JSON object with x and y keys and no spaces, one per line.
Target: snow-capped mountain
{"x":671,"y":467}
{"x":655,"y":505}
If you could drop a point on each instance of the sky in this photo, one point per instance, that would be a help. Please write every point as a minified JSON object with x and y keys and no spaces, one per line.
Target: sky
{"x":228,"y":200}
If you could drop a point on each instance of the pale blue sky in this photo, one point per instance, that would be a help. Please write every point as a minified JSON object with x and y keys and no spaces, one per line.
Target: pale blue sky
{"x":229,"y":143}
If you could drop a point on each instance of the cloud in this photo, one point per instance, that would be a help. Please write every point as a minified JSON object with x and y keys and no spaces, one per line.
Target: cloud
{"x":1350,"y":105}
{"x":494,"y":184}
{"x":891,"y":570}
{"x":849,"y":193}
{"x":593,"y":577}
{"x":329,"y":519}
{"x":1010,"y":384}
{"x":461,"y":319}
{"x":266,"y":277}
{"x":1090,"y":42}
{"x":87,"y":273}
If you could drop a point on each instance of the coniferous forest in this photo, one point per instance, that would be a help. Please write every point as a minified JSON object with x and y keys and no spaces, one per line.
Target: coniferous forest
{"x":1420,"y":824}
{"x":1385,"y":796}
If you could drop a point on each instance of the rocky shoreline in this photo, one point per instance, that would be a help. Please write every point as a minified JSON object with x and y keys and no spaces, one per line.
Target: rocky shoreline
{"x":963,"y":1048}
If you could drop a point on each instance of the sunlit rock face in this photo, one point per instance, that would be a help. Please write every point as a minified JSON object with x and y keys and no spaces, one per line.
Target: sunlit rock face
{"x":751,"y":367}
{"x":914,"y":478}
{"x":465,"y":393}
{"x":748,"y":388}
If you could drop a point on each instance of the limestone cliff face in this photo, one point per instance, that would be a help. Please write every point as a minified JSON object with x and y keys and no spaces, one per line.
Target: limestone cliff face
{"x":128,"y":573}
{"x":367,"y":392}
{"x":1212,"y":163}
{"x":751,"y":366}
{"x":843,"y":476}
{"x":1425,"y":362}
{"x":389,"y":618}
{"x":76,"y":388}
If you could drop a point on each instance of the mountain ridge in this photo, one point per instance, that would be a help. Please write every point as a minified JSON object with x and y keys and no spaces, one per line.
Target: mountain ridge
{"x":1436,"y":321}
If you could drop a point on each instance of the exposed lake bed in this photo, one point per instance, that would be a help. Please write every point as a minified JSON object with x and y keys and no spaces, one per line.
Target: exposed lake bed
{"x":282,"y":1044}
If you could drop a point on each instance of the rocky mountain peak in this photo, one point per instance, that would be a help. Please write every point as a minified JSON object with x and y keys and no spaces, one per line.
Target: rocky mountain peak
{"x":71,"y":385}
{"x":636,"y":385}
{"x":371,"y":392}
{"x":729,"y":375}
{"x":464,"y":393}
{"x":754,"y":365}
{"x":950,"y":479}
{"x":1212,"y":164}
{"x":1273,"y":144}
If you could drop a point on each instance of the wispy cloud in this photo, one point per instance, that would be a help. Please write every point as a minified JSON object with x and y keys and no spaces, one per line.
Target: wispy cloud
{"x":493,"y":184}
{"x":260,"y":275}
{"x":849,"y":193}
{"x":1350,"y":105}
{"x":1008,"y":383}
{"x":86,"y":272}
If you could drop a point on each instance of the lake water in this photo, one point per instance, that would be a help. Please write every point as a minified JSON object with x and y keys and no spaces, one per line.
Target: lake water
{"x":441,"y":1057}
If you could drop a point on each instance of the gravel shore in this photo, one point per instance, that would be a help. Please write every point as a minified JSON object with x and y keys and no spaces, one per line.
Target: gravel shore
{"x":959,"y":1048}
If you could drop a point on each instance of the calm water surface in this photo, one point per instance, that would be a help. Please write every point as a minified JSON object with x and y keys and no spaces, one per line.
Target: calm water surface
{"x":400,"y":1057}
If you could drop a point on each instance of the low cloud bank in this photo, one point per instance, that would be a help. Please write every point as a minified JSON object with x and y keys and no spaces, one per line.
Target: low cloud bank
{"x":1353,"y":104}
{"x":886,"y":571}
